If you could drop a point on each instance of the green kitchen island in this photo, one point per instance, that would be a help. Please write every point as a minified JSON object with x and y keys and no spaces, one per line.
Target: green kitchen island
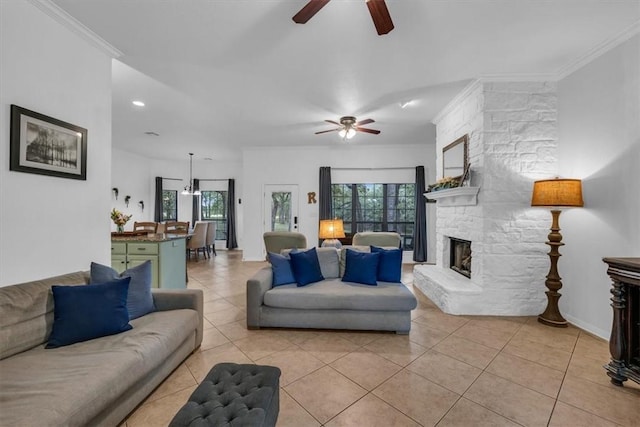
{"x":167,"y":253}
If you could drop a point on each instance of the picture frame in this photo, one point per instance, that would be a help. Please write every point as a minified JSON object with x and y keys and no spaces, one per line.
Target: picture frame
{"x":44,"y":145}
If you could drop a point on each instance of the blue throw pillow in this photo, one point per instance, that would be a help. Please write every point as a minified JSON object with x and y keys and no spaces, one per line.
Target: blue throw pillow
{"x":82,"y":313}
{"x":281,"y":267}
{"x":306,"y":267}
{"x":390,"y":265}
{"x":361,"y":267}
{"x":139,"y":299}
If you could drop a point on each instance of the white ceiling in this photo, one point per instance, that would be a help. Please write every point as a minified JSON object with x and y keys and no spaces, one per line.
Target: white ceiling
{"x":221,"y":75}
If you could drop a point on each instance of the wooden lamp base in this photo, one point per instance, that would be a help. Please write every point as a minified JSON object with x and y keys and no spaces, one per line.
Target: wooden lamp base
{"x":551,"y":315}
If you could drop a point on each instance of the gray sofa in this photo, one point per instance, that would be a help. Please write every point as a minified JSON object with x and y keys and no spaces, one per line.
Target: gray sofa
{"x":96,"y":382}
{"x":330,"y":303}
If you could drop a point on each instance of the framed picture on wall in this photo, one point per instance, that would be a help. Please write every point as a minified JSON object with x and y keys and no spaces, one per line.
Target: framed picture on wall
{"x":46,"y":146}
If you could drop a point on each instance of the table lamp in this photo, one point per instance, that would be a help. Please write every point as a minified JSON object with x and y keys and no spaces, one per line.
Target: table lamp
{"x":555,"y":193}
{"x":331,"y":230}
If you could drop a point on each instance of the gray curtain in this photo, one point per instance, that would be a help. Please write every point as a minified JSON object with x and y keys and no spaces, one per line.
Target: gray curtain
{"x":420,"y":227}
{"x":195,"y":206}
{"x":232,"y":243}
{"x":324,"y":196}
{"x":158,"y":200}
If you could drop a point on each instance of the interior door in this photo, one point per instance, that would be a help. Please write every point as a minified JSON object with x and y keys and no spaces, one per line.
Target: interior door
{"x":280,"y":208}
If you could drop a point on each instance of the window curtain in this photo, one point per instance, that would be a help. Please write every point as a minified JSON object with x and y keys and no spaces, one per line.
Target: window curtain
{"x":158,"y":200}
{"x":420,"y":227}
{"x":324,"y":196}
{"x":195,"y":205}
{"x":232,"y":243}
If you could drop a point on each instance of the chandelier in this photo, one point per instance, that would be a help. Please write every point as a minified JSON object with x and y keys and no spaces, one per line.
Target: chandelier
{"x":189,"y":189}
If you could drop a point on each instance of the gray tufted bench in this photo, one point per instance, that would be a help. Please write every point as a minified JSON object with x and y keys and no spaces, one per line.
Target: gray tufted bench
{"x":233,"y":395}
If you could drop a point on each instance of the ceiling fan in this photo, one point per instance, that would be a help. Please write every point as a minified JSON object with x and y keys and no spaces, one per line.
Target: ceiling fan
{"x":377,"y":9}
{"x":348,"y":127}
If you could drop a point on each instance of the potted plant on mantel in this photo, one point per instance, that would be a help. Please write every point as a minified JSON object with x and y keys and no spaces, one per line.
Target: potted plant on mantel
{"x":444,"y":183}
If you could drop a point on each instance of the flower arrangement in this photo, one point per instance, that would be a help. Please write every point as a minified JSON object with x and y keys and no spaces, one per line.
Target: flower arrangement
{"x":119,"y":219}
{"x":443,"y":183}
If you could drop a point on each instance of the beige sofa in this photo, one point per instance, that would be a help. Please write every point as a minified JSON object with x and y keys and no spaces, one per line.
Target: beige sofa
{"x":96,"y":382}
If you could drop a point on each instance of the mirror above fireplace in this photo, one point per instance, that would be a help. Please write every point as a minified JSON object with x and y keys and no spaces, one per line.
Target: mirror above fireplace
{"x":455,"y":157}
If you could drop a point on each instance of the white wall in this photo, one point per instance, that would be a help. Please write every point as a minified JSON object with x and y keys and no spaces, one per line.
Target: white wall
{"x":131,"y":176}
{"x":599,"y":142}
{"x":285,"y":165}
{"x":50,"y":225}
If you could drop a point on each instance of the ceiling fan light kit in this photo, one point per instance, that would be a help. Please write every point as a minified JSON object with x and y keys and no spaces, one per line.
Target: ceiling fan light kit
{"x":349,"y":126}
{"x":377,"y":8}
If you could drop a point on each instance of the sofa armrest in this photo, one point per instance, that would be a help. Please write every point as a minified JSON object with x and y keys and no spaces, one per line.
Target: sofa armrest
{"x":256,"y":288}
{"x":175,"y":299}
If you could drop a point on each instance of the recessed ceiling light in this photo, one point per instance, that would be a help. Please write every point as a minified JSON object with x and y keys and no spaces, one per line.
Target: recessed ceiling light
{"x":138,"y":103}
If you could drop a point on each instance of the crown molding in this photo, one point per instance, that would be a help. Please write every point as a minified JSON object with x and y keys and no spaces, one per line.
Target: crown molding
{"x":62,"y":17}
{"x":518,"y":77}
{"x":599,"y":50}
{"x":468,"y":89}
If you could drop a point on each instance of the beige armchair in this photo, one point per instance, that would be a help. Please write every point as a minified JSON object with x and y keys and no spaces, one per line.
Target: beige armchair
{"x":275,"y":241}
{"x":377,"y":238}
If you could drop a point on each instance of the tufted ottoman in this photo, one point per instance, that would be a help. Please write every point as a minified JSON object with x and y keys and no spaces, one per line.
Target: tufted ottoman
{"x":233,"y":395}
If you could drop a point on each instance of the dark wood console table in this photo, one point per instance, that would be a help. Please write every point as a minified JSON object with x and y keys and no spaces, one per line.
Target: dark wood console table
{"x":625,"y":332}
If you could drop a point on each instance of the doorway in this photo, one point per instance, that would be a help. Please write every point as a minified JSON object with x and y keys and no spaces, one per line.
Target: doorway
{"x":280,"y":207}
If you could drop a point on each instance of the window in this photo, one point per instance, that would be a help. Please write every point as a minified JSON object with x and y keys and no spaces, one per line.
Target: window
{"x":214,"y":208}
{"x":169,"y":205}
{"x":376,"y":207}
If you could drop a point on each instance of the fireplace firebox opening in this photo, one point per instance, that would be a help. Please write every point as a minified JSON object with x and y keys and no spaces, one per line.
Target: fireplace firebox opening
{"x":460,"y":256}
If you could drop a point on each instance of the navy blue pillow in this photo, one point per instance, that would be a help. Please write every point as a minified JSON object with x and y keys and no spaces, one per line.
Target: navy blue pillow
{"x":281,"y":268}
{"x":361,"y":267}
{"x":390,"y":265}
{"x":82,"y":313}
{"x":306,"y":267}
{"x":139,"y":298}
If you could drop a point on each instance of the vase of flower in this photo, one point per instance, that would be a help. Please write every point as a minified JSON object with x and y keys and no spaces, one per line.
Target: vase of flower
{"x":119,"y":219}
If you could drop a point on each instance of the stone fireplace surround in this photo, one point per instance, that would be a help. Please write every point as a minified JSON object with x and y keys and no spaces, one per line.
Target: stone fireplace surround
{"x":512,"y":142}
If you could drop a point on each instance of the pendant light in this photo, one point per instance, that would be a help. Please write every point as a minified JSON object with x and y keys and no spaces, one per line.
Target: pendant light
{"x":189,"y":189}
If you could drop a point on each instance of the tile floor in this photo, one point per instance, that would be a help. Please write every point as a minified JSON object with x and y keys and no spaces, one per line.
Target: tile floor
{"x":449,"y":371}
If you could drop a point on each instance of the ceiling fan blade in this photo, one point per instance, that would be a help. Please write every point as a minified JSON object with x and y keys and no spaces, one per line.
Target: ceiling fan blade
{"x":308,"y":11}
{"x":380,"y":15}
{"x":365,"y":122}
{"x":330,"y":130}
{"x":333,"y":123}
{"x":373,"y":131}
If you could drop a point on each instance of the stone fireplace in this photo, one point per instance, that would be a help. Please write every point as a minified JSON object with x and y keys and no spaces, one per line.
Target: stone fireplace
{"x":512,"y":142}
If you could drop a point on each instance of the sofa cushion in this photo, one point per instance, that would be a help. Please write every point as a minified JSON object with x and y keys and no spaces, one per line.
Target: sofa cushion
{"x":343,"y":255}
{"x":361,"y":267}
{"x":390,"y":264}
{"x":339,"y":295}
{"x":329,"y":259}
{"x":83,"y":313}
{"x":27,"y":312}
{"x":306,"y":267}
{"x":70,"y":385}
{"x":281,"y":269}
{"x":139,"y":299}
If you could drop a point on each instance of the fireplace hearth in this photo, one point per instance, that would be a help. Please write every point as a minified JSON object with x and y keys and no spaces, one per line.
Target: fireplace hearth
{"x":460,"y":256}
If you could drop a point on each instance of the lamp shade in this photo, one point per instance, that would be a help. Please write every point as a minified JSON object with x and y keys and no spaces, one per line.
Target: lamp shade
{"x":331,"y":229}
{"x":557,"y":192}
